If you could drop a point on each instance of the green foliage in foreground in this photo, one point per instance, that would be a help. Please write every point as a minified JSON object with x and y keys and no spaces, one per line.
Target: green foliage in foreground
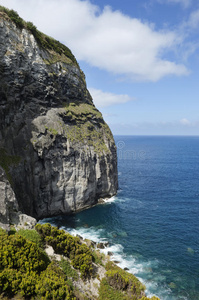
{"x":65,"y":244}
{"x":25,"y":269}
{"x":68,"y":270}
{"x":120,"y":285}
{"x":32,"y":236}
{"x":43,"y":40}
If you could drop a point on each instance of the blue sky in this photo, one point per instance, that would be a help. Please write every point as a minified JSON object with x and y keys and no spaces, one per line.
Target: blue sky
{"x":140,"y":58}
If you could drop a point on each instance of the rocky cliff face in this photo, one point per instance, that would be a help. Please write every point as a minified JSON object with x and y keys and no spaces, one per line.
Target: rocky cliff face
{"x":58,"y":153}
{"x":9,"y":209}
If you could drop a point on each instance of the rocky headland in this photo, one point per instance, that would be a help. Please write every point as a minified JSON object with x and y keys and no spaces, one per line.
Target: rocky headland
{"x":57,"y":155}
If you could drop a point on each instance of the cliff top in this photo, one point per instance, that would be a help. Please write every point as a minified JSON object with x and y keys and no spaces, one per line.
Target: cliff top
{"x":44,"y":41}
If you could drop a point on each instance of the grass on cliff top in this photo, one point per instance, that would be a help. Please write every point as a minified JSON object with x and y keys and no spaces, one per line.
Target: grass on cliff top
{"x":88,"y":126}
{"x":82,"y":111}
{"x":43,"y":40}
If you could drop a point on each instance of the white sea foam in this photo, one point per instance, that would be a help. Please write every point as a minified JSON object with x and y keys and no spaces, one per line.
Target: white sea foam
{"x":118,"y":255}
{"x":90,"y":233}
{"x":109,"y":200}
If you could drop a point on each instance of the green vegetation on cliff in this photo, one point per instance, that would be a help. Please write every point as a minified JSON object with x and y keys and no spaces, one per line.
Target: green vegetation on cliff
{"x":88,"y":126}
{"x":65,"y":244}
{"x":26,"y":271}
{"x":118,"y":284}
{"x":44,"y":41}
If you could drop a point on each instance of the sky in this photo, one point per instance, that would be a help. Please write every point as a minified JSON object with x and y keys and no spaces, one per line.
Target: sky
{"x":140,"y":58}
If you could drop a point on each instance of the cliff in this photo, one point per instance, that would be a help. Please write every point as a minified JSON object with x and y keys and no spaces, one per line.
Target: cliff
{"x":55,"y":148}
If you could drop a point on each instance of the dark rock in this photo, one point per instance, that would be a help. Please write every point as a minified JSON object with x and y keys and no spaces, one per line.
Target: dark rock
{"x":100,"y":245}
{"x":106,"y":244}
{"x":93,"y":243}
{"x":79,"y":236}
{"x":116,"y":261}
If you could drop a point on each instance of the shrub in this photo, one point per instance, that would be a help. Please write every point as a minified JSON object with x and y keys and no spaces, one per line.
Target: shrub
{"x":31,"y":235}
{"x":31,"y":27}
{"x":109,"y":293}
{"x":52,"y":284}
{"x":65,"y":244}
{"x":15,"y":18}
{"x":120,"y":280}
{"x":18,"y":253}
{"x":68,"y":270}
{"x":26,"y":269}
{"x":2,"y":233}
{"x":98,"y":257}
{"x":9,"y":281}
{"x":28,"y":283}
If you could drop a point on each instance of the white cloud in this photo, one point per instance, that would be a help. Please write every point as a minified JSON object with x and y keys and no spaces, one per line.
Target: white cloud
{"x":185,"y":122}
{"x":193,"y":21}
{"x":105,"y":39}
{"x":102,"y":99}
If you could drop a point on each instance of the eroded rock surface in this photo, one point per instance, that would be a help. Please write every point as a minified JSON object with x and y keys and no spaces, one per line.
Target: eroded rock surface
{"x":57,"y":151}
{"x":9,"y":209}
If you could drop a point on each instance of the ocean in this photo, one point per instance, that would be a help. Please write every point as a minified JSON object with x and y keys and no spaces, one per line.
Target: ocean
{"x":152,"y":225}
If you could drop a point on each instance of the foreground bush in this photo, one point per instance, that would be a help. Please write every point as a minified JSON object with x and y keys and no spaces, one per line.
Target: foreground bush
{"x":63,"y":243}
{"x":25,"y":269}
{"x":120,"y":285}
{"x":32,"y":236}
{"x":52,"y":284}
{"x":27,"y":273}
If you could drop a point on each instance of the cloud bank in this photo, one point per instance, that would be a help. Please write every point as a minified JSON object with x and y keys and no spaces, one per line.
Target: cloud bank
{"x":102,"y":99}
{"x":106,"y":39}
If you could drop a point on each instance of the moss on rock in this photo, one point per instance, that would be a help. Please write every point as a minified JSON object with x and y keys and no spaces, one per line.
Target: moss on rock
{"x":87,"y":126}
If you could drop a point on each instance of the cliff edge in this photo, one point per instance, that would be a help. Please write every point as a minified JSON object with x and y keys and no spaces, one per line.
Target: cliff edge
{"x":55,"y":148}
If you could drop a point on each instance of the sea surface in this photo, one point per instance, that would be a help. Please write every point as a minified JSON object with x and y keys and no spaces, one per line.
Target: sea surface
{"x":152,"y":224}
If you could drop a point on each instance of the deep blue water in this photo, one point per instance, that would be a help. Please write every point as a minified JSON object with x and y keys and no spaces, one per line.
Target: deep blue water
{"x":153,"y":223}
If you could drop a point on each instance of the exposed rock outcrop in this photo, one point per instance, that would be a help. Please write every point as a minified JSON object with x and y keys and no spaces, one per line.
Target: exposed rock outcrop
{"x":8,"y":202}
{"x":9,"y":210}
{"x":58,"y":153}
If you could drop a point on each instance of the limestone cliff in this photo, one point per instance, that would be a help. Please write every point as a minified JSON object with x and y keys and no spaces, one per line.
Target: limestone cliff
{"x":58,"y":153}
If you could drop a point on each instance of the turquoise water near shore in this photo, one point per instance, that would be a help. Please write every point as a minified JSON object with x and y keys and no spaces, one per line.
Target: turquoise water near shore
{"x":152,"y":224}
